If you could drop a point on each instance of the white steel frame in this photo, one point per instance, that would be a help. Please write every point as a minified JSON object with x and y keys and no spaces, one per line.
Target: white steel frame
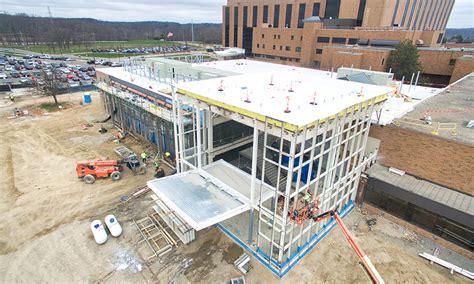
{"x":334,"y":145}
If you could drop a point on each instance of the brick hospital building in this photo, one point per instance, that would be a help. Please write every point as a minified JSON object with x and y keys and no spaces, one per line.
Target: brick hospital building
{"x":331,"y":33}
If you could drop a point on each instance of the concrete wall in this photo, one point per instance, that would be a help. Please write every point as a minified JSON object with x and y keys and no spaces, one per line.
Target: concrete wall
{"x":432,"y":158}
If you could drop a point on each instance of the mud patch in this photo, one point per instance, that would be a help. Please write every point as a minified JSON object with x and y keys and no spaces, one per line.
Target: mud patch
{"x":233,"y":252}
{"x":203,"y":263}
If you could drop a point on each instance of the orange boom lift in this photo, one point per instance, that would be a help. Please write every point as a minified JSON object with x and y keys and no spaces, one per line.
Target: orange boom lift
{"x":308,"y":212}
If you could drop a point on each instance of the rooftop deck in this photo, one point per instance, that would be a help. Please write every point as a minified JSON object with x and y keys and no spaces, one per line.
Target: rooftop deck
{"x":447,"y":202}
{"x":295,"y":96}
{"x":452,"y":109}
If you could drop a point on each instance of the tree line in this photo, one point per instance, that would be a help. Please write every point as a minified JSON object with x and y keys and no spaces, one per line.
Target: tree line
{"x":22,"y":29}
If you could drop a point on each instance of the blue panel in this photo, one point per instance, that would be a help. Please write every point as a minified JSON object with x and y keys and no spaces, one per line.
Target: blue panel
{"x":264,"y":259}
{"x":304,"y":170}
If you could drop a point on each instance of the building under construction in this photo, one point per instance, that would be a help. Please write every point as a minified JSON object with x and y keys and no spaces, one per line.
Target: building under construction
{"x":290,"y":138}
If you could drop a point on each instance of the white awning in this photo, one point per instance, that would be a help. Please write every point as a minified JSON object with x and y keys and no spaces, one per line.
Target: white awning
{"x":210,"y":195}
{"x":200,"y":199}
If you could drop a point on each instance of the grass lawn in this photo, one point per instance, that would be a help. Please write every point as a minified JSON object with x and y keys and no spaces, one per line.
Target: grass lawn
{"x":50,"y":107}
{"x":42,"y":48}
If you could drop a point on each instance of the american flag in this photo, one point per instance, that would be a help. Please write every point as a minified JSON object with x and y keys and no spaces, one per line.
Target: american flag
{"x":170,"y":34}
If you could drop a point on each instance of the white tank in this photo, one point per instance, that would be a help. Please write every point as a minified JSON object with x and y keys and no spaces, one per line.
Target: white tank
{"x":113,"y":225}
{"x":98,"y":230}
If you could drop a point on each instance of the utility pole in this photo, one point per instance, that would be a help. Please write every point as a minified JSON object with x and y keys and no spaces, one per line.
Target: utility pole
{"x":50,"y":16}
{"x":192,"y":30}
{"x":21,"y":38}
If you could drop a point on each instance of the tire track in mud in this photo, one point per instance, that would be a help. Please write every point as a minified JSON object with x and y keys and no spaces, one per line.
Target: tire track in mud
{"x":9,"y":191}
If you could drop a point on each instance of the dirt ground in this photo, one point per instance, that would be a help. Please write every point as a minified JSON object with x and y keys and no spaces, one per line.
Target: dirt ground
{"x":45,"y":212}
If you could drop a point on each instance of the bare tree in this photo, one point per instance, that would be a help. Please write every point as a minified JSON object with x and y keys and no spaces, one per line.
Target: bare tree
{"x":48,"y":85}
{"x":23,"y":29}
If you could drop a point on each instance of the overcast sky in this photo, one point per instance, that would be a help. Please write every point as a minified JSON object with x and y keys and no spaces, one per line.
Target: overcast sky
{"x":183,"y":11}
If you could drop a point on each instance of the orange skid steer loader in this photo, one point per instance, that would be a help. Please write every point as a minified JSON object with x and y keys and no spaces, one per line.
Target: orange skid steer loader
{"x":88,"y":171}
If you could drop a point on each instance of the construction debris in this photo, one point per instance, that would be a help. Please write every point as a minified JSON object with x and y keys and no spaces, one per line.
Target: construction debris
{"x":243,"y":263}
{"x":240,"y":280}
{"x":158,"y":240}
{"x":453,"y":268}
{"x":86,"y":126}
{"x":371,"y":223}
{"x":141,"y":191}
{"x":470,"y":124}
{"x":180,"y":228}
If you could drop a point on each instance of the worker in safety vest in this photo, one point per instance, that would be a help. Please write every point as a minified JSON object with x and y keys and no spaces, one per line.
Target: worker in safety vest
{"x":167,"y":155}
{"x":156,"y":164}
{"x":307,"y":198}
{"x":144,"y":156}
{"x":12,"y":98}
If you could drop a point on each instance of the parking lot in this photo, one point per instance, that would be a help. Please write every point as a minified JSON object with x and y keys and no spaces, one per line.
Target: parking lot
{"x":31,"y":70}
{"x":146,"y":50}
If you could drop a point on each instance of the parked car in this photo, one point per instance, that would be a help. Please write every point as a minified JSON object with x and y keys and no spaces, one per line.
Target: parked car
{"x":8,"y":68}
{"x":15,"y":74}
{"x":3,"y":76}
{"x":26,"y":81}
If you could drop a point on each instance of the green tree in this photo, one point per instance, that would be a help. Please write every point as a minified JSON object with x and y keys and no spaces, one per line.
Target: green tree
{"x":457,"y":38}
{"x":404,"y":60}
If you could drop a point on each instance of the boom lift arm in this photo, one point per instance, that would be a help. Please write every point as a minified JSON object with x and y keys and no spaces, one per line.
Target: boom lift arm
{"x":374,"y":274}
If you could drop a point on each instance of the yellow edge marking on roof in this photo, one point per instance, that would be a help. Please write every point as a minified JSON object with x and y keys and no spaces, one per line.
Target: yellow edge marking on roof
{"x":278,"y":123}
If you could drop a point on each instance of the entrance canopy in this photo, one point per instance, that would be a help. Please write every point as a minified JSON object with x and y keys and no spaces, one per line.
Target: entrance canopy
{"x":204,"y":197}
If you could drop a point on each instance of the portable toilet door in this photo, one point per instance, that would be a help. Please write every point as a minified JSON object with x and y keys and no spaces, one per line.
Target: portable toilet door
{"x":87,"y":98}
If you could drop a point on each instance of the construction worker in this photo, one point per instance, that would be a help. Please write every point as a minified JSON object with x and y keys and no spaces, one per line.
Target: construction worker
{"x":12,"y":98}
{"x":144,"y":155}
{"x":159,"y":172}
{"x":156,"y":164}
{"x":307,"y":197}
{"x":168,"y":155}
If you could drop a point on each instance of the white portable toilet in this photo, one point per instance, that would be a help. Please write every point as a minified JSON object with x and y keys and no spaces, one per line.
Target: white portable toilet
{"x":98,"y":230}
{"x":113,"y":225}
